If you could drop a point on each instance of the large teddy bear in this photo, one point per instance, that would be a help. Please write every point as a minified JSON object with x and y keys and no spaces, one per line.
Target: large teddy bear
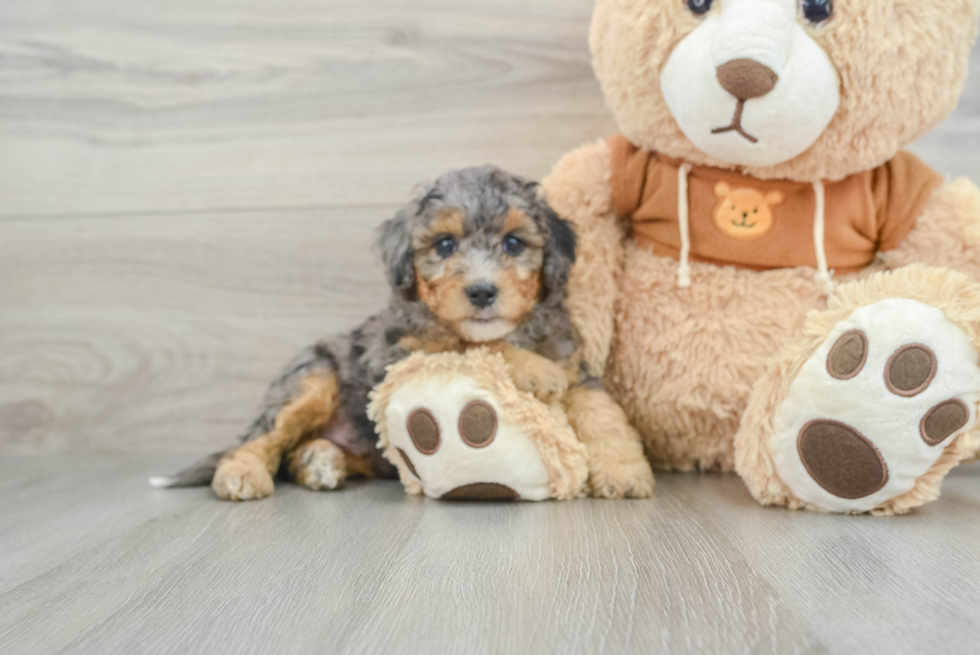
{"x":765,"y":281}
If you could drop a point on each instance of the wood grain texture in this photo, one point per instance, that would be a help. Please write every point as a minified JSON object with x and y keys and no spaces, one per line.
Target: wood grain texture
{"x":94,"y":561}
{"x":111,"y":106}
{"x":150,"y":333}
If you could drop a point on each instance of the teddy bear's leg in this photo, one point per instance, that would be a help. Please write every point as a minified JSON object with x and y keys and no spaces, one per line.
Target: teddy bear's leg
{"x":579,"y":191}
{"x":617,"y":467}
{"x":877,"y":401}
{"x":947,"y":233}
{"x":246,"y":473}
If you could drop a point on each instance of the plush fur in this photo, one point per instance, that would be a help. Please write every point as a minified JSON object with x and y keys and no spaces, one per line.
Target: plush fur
{"x":902,"y":64}
{"x":951,"y":292}
{"x":687,"y":364}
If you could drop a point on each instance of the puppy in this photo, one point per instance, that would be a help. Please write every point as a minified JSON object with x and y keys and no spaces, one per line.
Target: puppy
{"x":476,"y":259}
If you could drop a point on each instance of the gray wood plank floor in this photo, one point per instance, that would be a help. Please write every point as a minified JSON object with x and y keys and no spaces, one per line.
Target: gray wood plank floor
{"x":188,"y":192}
{"x":94,"y":561}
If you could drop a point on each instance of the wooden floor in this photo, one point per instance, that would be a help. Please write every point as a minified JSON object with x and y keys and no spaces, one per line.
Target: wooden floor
{"x":94,"y":561}
{"x":188,"y":193}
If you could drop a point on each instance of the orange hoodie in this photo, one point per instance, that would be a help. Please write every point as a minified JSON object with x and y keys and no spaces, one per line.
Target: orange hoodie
{"x":763,"y":224}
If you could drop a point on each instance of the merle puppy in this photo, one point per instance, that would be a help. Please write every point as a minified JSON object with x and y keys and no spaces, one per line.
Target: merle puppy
{"x":476,"y":259}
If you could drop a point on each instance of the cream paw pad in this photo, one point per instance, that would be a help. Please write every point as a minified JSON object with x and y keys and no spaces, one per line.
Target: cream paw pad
{"x":457,"y":428}
{"x":875,"y":406}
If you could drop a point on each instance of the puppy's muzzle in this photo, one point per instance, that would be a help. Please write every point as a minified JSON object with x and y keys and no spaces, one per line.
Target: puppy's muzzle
{"x":482,"y":295}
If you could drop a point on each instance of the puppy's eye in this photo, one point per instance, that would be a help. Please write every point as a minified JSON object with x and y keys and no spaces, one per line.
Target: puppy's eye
{"x":513,"y":245}
{"x":446,"y":246}
{"x":699,"y":7}
{"x":817,"y":11}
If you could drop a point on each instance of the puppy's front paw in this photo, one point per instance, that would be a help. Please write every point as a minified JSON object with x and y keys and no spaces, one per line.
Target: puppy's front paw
{"x":319,"y":465}
{"x":614,"y":479}
{"x":242,"y":476}
{"x":541,"y":377}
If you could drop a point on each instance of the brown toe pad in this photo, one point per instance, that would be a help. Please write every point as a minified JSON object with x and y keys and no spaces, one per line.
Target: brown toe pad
{"x":478,"y":424}
{"x":482,"y":491}
{"x":408,"y":463}
{"x":848,"y":356}
{"x":910,"y":370}
{"x":943,"y":420}
{"x":424,"y":431}
{"x":841,"y":460}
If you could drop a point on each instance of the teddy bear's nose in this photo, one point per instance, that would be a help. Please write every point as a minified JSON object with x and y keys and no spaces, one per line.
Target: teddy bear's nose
{"x":746,"y":78}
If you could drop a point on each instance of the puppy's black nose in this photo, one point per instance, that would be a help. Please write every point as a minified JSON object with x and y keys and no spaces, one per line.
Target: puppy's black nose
{"x":482,"y":295}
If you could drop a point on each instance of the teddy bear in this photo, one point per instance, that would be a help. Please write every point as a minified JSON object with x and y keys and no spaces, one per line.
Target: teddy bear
{"x":765,"y":280}
{"x":457,"y":428}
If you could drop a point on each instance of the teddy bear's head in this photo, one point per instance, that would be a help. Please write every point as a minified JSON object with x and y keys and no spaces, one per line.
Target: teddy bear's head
{"x":795,"y":89}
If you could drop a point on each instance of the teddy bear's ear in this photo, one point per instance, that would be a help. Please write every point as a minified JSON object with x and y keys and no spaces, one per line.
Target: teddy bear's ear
{"x":722,"y":189}
{"x":774,"y":198}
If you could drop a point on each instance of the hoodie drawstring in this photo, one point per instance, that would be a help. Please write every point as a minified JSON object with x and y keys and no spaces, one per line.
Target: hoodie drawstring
{"x":819,"y":239}
{"x":683,"y":218}
{"x":823,"y":276}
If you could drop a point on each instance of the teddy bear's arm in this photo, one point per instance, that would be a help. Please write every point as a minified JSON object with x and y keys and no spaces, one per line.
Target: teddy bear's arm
{"x":946,"y":234}
{"x":579,"y":190}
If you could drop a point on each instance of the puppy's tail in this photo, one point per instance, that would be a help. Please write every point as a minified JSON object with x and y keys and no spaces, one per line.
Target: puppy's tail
{"x":198,"y":474}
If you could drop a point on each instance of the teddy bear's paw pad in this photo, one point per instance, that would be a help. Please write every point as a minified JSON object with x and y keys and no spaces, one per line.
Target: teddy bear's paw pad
{"x":910,"y":370}
{"x":943,"y":421}
{"x":841,"y":459}
{"x":424,"y":431}
{"x":872,"y":410}
{"x":455,"y":440}
{"x":481,"y":491}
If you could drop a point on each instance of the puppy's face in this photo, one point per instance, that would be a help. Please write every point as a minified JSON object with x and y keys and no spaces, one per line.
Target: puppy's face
{"x":484,"y":250}
{"x":479,"y":276}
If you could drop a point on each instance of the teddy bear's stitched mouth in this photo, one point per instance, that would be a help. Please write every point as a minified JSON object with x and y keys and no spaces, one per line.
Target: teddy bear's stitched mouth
{"x":744,"y":224}
{"x":736,"y":124}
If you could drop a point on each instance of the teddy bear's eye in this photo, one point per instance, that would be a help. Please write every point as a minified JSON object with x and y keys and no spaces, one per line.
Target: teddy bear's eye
{"x":817,"y":11}
{"x":699,"y":7}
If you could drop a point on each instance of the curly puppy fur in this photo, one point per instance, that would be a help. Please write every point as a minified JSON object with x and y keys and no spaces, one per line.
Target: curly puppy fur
{"x":478,"y":257}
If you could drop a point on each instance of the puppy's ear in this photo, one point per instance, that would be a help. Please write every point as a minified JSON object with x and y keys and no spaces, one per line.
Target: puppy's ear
{"x":559,"y":255}
{"x":395,"y":244}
